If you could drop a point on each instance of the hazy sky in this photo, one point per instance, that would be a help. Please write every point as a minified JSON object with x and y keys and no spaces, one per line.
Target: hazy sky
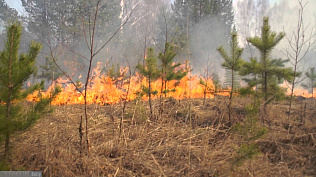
{"x":18,"y":5}
{"x":271,"y":1}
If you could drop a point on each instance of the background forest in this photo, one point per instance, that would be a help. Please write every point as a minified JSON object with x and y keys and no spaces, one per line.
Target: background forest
{"x":197,"y":28}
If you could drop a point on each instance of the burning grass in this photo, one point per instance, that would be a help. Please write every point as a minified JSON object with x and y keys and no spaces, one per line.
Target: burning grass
{"x":173,"y":145}
{"x":103,"y":89}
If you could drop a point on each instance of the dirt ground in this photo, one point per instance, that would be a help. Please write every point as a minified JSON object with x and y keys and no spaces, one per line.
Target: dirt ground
{"x":189,"y":139}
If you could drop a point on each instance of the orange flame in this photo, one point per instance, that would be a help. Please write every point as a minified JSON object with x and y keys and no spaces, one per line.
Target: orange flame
{"x":103,"y":90}
{"x":297,"y":91}
{"x":301,"y":92}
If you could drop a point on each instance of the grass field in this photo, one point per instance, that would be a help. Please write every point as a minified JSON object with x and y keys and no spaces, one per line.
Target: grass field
{"x":189,"y":139}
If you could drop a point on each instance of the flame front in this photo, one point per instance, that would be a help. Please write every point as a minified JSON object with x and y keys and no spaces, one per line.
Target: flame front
{"x":301,"y":92}
{"x":104,"y":90}
{"x":297,"y":91}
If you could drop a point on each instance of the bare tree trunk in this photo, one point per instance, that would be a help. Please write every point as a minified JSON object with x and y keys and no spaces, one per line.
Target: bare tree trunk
{"x":161,"y":92}
{"x":166,"y":89}
{"x":312,"y":88}
{"x":80,"y":135}
{"x":204,"y":96}
{"x":92,"y":54}
{"x":297,"y":47}
{"x":149,"y":97}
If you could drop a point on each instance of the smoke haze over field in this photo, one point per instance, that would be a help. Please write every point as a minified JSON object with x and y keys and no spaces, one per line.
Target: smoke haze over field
{"x":206,"y":37}
{"x":146,"y":28}
{"x":283,"y":18}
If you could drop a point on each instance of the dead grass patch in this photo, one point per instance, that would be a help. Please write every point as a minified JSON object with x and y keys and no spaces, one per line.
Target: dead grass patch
{"x":170,"y":146}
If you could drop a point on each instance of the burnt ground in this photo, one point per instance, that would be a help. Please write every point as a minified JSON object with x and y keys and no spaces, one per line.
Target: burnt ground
{"x":189,"y":139}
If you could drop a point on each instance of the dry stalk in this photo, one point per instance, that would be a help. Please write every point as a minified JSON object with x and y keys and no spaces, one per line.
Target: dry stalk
{"x":133,"y":117}
{"x":125,"y":101}
{"x":116,"y":172}
{"x":211,"y":147}
{"x":158,"y":165}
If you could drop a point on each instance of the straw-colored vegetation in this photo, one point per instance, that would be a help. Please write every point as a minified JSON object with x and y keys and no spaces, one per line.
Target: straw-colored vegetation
{"x":188,"y":140}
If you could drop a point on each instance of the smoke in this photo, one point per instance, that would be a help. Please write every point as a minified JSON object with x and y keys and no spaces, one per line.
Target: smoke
{"x":283,"y":17}
{"x":206,"y":37}
{"x":146,"y":29}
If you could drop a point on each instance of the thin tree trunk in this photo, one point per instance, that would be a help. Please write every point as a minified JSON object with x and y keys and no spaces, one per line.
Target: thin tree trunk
{"x":89,"y":71}
{"x":86,"y":118}
{"x":80,"y":136}
{"x":124,"y":104}
{"x":149,"y":97}
{"x":295,"y":65}
{"x":230,"y":99}
{"x":265,"y":86}
{"x":292,"y":92}
{"x":161,"y":91}
{"x":204,"y":99}
{"x":312,"y":88}
{"x":166,"y":89}
{"x":8,"y":117}
{"x":265,"y":90}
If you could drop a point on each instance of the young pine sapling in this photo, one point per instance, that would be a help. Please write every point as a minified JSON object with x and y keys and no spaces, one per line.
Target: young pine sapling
{"x":268,"y":72}
{"x":232,"y":63}
{"x":15,"y":70}
{"x":151,"y":72}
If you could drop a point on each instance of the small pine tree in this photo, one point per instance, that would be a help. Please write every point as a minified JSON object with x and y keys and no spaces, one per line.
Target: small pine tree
{"x":250,"y":131}
{"x":232,"y":63}
{"x":267,"y":72}
{"x":150,"y":71}
{"x":169,"y":70}
{"x":15,"y":70}
{"x":311,"y":76}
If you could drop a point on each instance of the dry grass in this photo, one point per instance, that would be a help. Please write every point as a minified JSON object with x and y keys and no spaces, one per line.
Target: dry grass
{"x":170,"y":146}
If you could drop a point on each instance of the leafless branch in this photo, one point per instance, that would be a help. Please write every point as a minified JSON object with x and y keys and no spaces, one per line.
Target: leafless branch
{"x":300,"y":46}
{"x":75,"y":52}
{"x":118,"y":29}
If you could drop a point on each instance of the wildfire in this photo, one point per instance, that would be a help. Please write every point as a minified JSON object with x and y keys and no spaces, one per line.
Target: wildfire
{"x":297,"y":91}
{"x":301,"y":92}
{"x":104,"y":90}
